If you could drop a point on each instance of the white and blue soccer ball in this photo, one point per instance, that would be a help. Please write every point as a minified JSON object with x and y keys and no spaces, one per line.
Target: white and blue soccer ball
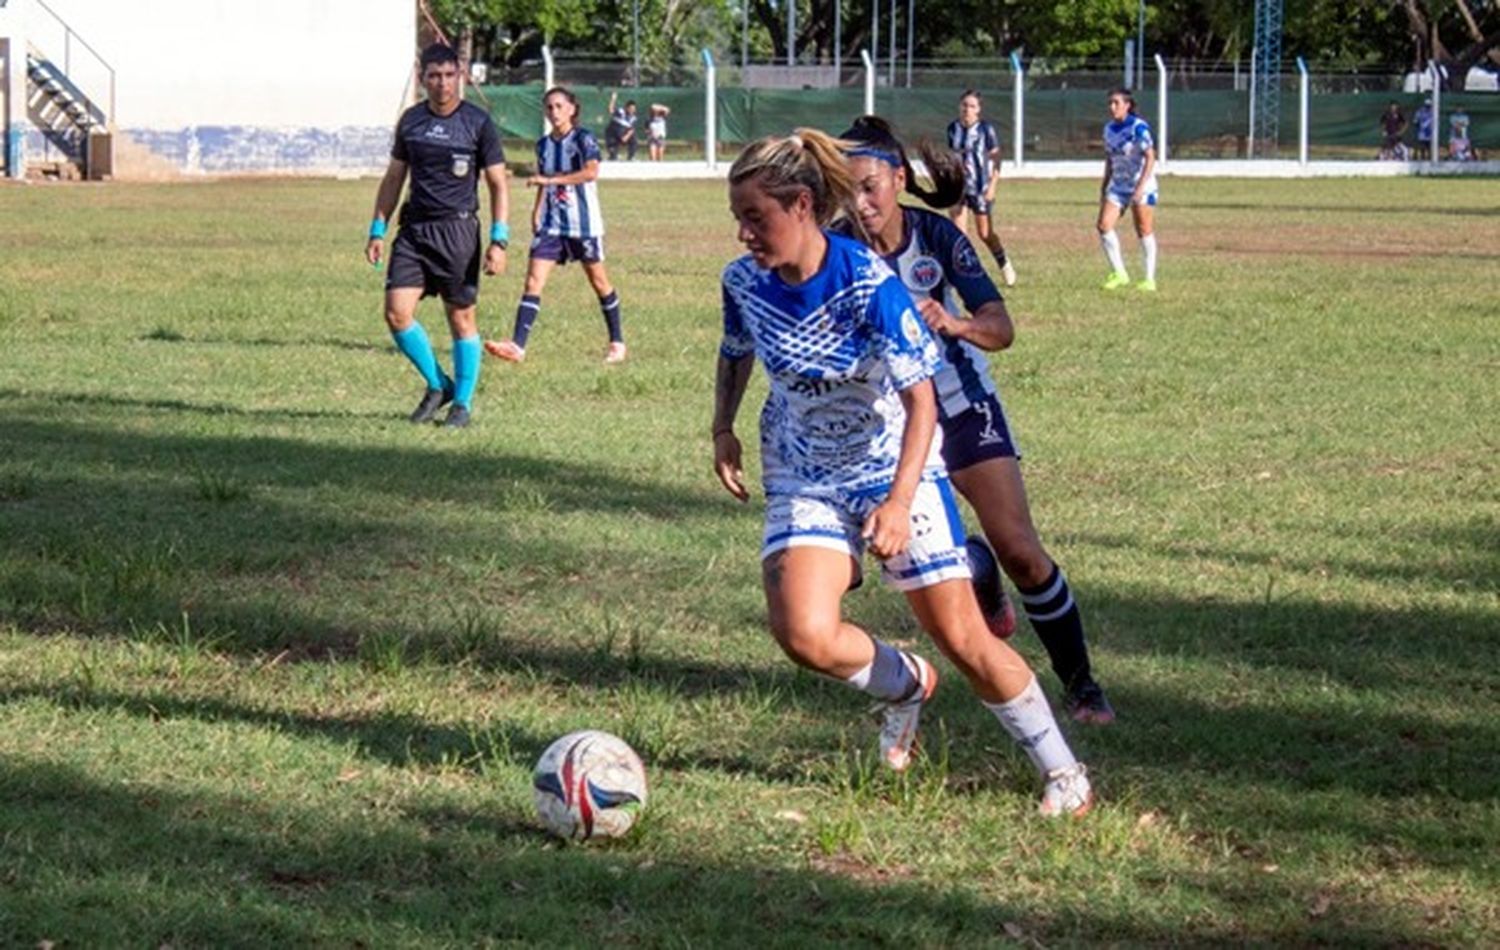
{"x":589,"y":784}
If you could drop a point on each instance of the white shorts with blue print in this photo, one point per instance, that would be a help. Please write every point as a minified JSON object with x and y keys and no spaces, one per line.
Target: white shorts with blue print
{"x":935,"y":553}
{"x":1125,"y":198}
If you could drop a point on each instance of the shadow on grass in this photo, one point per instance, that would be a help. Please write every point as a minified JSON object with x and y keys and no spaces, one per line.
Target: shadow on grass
{"x":119,"y":491}
{"x":150,"y":865}
{"x":408,"y":474}
{"x":1469,"y":559}
{"x":197,"y":408}
{"x":165,"y":335}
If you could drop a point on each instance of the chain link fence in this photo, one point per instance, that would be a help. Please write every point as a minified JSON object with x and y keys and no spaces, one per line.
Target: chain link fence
{"x":1064,"y":104}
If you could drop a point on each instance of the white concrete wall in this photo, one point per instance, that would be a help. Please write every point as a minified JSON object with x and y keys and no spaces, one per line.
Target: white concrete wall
{"x":243,"y":85}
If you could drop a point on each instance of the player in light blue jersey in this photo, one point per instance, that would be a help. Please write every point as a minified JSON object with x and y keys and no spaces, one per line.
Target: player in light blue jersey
{"x":942,"y":272}
{"x":978,"y":145}
{"x":1129,"y":182}
{"x":849,"y":460}
{"x":566,"y":223}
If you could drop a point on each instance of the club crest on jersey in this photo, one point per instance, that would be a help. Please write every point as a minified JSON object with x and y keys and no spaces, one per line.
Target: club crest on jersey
{"x":911,"y":328}
{"x":924,"y":274}
{"x":460,"y":166}
{"x":965,"y":260}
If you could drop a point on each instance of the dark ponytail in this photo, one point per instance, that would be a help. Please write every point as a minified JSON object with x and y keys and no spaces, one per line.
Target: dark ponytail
{"x":1125,"y":94}
{"x":872,"y":135}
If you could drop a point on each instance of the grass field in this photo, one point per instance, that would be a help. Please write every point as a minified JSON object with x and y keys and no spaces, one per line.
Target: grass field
{"x":275,"y":664}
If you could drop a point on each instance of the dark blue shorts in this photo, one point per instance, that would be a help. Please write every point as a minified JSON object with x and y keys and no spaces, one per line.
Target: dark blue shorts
{"x":978,"y":434}
{"x":550,"y":247}
{"x":976,"y":203}
{"x":441,"y":257}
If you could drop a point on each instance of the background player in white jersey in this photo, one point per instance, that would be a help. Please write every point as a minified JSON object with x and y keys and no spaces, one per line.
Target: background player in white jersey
{"x":941,"y":270}
{"x":849,"y":461}
{"x":1129,"y":182}
{"x":978,"y":144}
{"x":445,"y":144}
{"x":567,"y":225}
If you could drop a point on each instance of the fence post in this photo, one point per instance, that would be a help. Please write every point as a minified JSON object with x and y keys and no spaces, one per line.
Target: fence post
{"x":1161,"y":109}
{"x":710,"y":111}
{"x":1129,"y":63}
{"x":1250,"y":138}
{"x":1018,"y":107}
{"x":1302,"y":128}
{"x":864,"y":55}
{"x":548,"y":81}
{"x":1437,"y":106}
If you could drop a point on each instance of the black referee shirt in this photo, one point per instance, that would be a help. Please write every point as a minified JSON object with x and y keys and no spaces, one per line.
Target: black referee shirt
{"x":444,"y":155}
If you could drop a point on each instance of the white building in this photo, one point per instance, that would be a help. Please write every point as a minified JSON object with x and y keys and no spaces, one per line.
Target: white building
{"x":203,"y":86}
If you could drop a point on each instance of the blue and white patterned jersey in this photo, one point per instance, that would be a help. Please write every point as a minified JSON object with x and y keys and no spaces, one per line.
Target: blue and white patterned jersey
{"x":1423,"y":119}
{"x":974,"y":144}
{"x":837,"y":350}
{"x":1126,"y":142}
{"x":938,"y":262}
{"x":569,"y":210}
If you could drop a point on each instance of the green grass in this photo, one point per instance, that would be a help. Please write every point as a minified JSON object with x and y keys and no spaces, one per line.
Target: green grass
{"x":275,"y":664}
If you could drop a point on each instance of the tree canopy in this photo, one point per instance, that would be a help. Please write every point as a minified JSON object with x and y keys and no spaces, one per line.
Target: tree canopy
{"x":1351,"y":34}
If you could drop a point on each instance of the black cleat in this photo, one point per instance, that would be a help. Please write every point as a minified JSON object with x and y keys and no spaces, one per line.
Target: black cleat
{"x":989,"y":589}
{"x":432,"y":401}
{"x":458,"y":417}
{"x":1087,"y":703}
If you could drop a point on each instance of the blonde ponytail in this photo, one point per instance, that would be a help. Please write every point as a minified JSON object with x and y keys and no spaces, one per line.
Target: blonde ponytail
{"x":808,"y":159}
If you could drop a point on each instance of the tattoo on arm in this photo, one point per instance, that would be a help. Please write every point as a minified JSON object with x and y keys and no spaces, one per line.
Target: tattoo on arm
{"x":730,"y":380}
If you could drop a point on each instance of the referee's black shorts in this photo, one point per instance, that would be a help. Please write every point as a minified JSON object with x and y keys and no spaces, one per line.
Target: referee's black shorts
{"x":441,"y":257}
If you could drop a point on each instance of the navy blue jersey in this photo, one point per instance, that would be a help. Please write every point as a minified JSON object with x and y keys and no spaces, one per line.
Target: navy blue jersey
{"x":937,"y":261}
{"x":444,"y":154}
{"x":974,"y":143}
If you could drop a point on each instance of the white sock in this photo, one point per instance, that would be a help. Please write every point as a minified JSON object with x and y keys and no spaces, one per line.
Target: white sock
{"x":1148,"y":252}
{"x":1028,"y":718}
{"x":1110,"y":241}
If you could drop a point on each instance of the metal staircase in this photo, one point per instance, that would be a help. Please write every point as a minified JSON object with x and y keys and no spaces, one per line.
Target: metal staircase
{"x":62,"y":125}
{"x":69,"y":120}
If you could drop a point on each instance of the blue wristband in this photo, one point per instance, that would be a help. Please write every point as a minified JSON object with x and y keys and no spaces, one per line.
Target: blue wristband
{"x":377,"y":228}
{"x":500,"y":232}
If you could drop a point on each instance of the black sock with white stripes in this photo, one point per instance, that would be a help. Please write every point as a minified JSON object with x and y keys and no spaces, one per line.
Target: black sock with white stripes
{"x":1054,"y":615}
{"x":610,"y":307}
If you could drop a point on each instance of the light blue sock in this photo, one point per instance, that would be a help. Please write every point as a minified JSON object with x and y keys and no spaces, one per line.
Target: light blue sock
{"x":415,"y":345}
{"x":465,"y":369}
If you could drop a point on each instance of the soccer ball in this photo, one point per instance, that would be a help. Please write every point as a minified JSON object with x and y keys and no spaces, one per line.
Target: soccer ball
{"x":589,"y":784}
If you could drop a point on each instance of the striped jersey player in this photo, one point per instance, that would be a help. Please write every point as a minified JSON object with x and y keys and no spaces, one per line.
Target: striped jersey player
{"x":568,"y":224}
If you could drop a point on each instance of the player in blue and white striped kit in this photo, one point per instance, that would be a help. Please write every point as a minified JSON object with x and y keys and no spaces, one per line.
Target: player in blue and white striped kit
{"x":1129,"y":182}
{"x":849,"y":459}
{"x":942,"y":272}
{"x":978,"y":145}
{"x":567,"y":225}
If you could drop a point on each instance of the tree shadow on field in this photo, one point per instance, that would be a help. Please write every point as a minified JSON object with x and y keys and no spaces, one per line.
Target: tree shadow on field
{"x":134,"y":529}
{"x":294,"y":342}
{"x":205,"y":408}
{"x":1356,"y":646}
{"x":148,"y":864}
{"x":405,"y":474}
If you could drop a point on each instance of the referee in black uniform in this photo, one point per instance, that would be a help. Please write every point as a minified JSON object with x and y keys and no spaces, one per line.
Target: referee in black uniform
{"x":446,"y":143}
